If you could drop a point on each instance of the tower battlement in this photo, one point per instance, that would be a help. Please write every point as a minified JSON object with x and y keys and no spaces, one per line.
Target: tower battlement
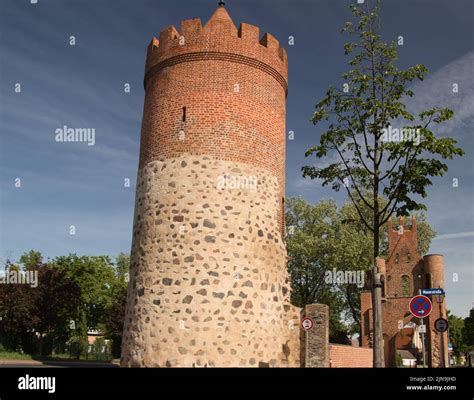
{"x":217,"y":39}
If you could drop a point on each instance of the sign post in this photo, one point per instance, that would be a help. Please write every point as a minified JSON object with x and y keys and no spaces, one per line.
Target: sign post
{"x":420,"y":307}
{"x":422,"y":332}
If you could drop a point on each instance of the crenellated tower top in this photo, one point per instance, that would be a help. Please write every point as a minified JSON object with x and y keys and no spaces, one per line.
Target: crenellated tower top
{"x":218,"y":39}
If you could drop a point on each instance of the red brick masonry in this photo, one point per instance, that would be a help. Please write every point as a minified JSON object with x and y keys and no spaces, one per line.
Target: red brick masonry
{"x":341,"y":356}
{"x":218,"y":91}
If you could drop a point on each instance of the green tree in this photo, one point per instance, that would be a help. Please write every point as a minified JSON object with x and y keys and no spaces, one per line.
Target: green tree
{"x":122,"y":266}
{"x":33,"y":316}
{"x":77,"y":345}
{"x":373,"y":98}
{"x":457,"y":334}
{"x":425,"y":234}
{"x":16,"y":323}
{"x":115,"y":320}
{"x":56,"y":301}
{"x":31,"y":260}
{"x":323,"y":237}
{"x":115,"y":314}
{"x":96,"y":278}
{"x":309,"y":228}
{"x":469,"y":329}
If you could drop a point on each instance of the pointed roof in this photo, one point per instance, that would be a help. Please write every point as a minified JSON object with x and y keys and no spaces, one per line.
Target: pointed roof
{"x":220,"y":17}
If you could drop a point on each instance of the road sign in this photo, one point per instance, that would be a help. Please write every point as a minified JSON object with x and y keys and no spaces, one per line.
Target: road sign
{"x":441,"y":325}
{"x":422,"y":328}
{"x":307,"y":323}
{"x":432,"y":291}
{"x":420,"y":306}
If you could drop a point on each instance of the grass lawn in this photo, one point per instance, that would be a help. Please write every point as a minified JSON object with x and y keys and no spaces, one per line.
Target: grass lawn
{"x":11,"y":355}
{"x":66,"y":357}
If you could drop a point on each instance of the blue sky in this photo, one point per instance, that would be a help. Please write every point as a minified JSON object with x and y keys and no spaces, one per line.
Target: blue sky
{"x":65,"y":184}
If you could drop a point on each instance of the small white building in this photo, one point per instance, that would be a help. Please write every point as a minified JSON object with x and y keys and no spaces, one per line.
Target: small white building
{"x":409,"y":360}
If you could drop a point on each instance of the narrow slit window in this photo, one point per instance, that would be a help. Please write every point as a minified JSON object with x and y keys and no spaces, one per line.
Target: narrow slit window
{"x":184,"y":114}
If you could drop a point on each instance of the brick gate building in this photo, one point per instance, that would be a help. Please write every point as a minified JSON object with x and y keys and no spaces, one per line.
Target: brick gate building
{"x":404,"y":274}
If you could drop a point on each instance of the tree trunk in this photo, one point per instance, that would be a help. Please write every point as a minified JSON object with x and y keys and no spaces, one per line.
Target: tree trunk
{"x":41,"y":345}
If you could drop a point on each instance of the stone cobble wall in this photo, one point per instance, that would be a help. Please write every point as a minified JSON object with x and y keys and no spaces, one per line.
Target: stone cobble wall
{"x":208,"y":284}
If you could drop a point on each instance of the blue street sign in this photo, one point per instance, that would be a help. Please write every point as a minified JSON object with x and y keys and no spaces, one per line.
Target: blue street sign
{"x":432,"y":291}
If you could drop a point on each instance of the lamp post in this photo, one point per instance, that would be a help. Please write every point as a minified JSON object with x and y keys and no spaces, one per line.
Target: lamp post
{"x":440,"y":298}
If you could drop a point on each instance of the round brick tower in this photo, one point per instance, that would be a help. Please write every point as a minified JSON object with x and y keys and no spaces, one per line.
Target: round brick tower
{"x":208,"y":282}
{"x":438,"y":343}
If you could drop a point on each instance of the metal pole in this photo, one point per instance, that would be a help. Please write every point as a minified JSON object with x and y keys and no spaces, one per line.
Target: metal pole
{"x":441,"y":341}
{"x":422,"y":339}
{"x":378,"y":344}
{"x":423,"y":343}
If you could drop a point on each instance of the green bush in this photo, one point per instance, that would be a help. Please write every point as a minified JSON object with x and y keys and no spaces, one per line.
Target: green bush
{"x":77,"y":345}
{"x":101,"y":349}
{"x":399,"y":361}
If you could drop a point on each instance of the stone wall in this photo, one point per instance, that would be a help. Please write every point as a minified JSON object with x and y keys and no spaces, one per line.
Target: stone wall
{"x":314,"y":342}
{"x":209,"y":284}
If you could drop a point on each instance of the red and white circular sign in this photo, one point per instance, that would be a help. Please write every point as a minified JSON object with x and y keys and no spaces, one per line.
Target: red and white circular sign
{"x":420,"y":306}
{"x":307,"y":323}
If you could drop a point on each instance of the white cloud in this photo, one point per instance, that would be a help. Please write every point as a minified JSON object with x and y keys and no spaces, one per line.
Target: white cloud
{"x":437,"y":91}
{"x":458,"y":235}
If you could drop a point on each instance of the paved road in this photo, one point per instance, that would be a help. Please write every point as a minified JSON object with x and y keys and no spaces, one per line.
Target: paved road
{"x":54,"y":364}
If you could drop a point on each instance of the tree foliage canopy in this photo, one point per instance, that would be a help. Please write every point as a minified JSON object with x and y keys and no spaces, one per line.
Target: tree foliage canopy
{"x":373,"y":99}
{"x":89,"y":290}
{"x":323,"y":237}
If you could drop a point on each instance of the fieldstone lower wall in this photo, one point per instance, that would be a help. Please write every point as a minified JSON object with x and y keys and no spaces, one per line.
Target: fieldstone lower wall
{"x":291,"y":335}
{"x":208,"y":282}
